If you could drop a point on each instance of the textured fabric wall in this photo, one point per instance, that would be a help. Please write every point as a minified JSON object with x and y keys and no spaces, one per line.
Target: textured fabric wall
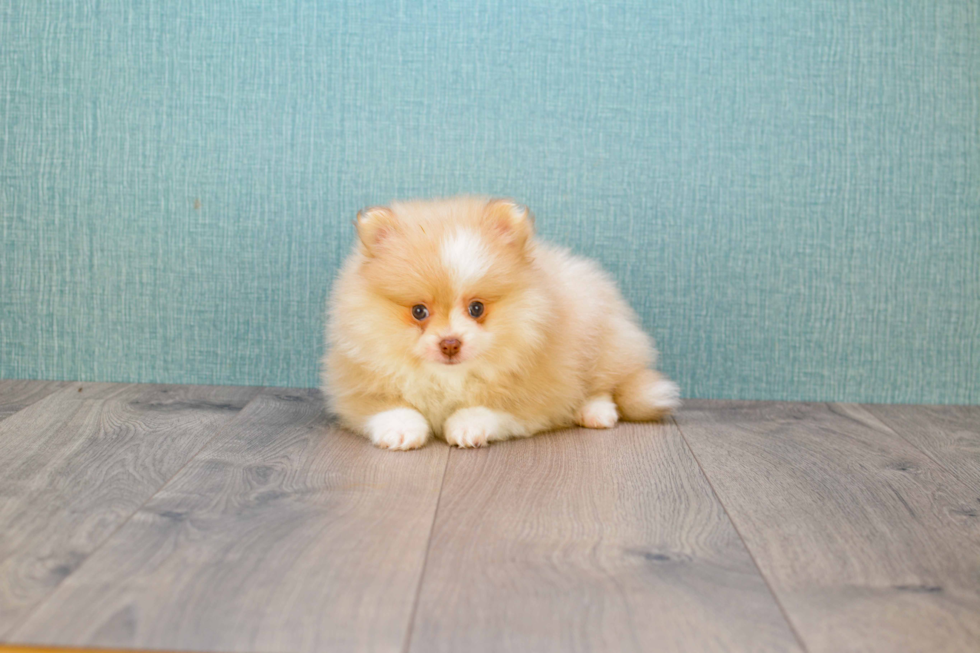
{"x":788,"y":190}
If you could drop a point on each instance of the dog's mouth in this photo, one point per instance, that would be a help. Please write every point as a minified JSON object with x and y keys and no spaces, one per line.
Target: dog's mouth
{"x":451,"y":360}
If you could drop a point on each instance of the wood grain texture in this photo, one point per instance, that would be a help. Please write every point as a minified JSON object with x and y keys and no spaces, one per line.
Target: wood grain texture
{"x":589,"y":541}
{"x":76,"y":465}
{"x":17,"y":395}
{"x":60,"y":649}
{"x":948,"y":434}
{"x":285,"y":534}
{"x":867,"y":542}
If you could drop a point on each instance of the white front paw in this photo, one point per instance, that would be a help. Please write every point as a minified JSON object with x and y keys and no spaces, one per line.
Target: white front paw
{"x":399,"y":428}
{"x":473,"y":427}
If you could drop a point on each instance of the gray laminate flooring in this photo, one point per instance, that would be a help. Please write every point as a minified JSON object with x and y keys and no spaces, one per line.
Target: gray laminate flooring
{"x":242,"y":519}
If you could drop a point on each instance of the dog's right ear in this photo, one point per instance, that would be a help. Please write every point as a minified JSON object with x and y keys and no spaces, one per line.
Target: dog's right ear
{"x":374,"y":224}
{"x":512,"y":221}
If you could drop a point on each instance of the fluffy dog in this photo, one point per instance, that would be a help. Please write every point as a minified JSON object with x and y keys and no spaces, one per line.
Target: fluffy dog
{"x":450,"y":319}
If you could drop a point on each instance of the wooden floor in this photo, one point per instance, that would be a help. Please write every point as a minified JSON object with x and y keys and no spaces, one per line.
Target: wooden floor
{"x":240,"y":519}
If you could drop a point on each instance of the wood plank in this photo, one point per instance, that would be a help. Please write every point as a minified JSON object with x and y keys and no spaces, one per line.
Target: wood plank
{"x":285,"y":534}
{"x":948,"y":434}
{"x":863,"y":538}
{"x":16,"y":395}
{"x":47,"y":649}
{"x":589,"y":541}
{"x":76,"y":465}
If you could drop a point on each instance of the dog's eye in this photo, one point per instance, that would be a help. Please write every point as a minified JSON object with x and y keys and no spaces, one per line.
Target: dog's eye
{"x":420,"y":312}
{"x":476,"y":309}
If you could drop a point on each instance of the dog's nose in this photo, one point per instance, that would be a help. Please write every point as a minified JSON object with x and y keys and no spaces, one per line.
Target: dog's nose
{"x":450,"y":346}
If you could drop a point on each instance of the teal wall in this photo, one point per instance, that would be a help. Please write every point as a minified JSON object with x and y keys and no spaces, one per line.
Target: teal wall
{"x":788,"y":190}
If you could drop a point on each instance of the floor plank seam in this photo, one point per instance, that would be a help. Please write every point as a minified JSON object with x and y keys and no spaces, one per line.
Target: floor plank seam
{"x":918,"y":447}
{"x":772,"y":591}
{"x":54,"y":590}
{"x":425,"y":560}
{"x":61,"y":386}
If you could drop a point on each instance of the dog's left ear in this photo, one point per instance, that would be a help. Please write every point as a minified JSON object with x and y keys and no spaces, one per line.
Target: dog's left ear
{"x":374,"y":224}
{"x":513,"y":221}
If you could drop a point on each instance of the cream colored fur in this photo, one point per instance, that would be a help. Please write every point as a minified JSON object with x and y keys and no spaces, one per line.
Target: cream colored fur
{"x":557,"y":344}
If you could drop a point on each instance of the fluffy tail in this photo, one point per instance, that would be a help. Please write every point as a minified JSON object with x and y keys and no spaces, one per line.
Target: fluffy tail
{"x":646,"y":396}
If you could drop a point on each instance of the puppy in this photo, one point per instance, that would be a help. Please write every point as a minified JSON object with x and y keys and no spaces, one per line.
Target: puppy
{"x":450,"y":319}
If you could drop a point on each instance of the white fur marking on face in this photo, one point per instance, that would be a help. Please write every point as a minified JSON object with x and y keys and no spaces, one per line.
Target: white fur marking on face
{"x":466,"y":255}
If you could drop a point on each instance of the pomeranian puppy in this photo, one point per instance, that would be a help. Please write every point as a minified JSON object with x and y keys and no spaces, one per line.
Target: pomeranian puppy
{"x":450,"y":319}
